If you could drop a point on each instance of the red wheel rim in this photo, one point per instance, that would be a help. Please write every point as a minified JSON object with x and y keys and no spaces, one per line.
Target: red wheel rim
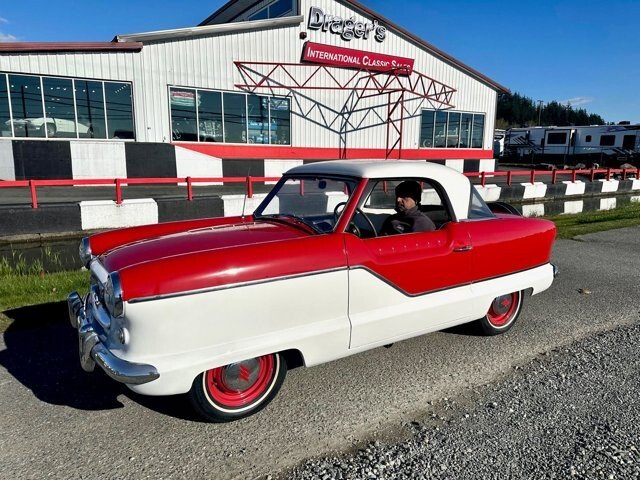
{"x":240,"y":384}
{"x":502,"y":309}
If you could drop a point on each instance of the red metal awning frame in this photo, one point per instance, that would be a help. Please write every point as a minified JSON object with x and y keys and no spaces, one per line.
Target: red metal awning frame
{"x":399,"y":86}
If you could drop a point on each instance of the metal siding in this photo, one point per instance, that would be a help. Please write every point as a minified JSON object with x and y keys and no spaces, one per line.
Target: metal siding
{"x":207,"y":62}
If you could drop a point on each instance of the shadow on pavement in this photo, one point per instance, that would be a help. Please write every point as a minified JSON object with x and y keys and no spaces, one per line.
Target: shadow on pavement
{"x":42,"y":354}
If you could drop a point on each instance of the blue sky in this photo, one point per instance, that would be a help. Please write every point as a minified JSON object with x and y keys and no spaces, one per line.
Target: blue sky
{"x":585,"y":52}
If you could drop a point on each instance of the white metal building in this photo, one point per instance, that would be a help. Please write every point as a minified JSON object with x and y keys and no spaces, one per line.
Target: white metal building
{"x":256,"y":88}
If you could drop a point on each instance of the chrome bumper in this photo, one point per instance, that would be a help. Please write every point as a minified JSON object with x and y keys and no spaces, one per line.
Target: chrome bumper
{"x":92,"y":350}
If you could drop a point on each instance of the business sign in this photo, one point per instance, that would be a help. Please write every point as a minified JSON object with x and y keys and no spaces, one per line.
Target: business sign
{"x":350,"y":58}
{"x":347,"y":28}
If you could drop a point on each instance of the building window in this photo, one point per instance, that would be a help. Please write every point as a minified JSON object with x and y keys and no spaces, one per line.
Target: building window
{"x":587,"y":139}
{"x":444,"y":129}
{"x":607,"y":140}
{"x":119,"y":104}
{"x":477,"y":134}
{"x":213,"y":116}
{"x":210,"y":116}
{"x":5,"y":113}
{"x":280,"y":109}
{"x":440,"y":130}
{"x":453,"y":130}
{"x":235,"y":117}
{"x":59,"y":107}
{"x":557,"y":138}
{"x":466,"y":121}
{"x":184,"y":118}
{"x":276,"y":9}
{"x":426,"y":131}
{"x":26,"y":104}
{"x":55,"y":107}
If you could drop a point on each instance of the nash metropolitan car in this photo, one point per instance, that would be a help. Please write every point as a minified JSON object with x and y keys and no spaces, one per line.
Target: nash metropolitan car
{"x":220,"y":308}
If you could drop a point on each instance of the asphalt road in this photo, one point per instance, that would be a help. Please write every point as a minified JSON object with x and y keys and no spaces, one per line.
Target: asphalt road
{"x":61,"y":423}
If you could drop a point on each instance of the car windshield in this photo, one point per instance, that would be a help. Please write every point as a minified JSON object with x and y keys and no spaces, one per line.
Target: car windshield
{"x":314,"y":201}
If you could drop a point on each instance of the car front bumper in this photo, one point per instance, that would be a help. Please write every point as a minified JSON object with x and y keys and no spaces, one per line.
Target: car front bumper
{"x":93,"y":351}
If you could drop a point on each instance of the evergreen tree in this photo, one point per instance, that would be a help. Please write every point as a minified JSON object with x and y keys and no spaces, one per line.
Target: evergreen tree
{"x":516,"y":110}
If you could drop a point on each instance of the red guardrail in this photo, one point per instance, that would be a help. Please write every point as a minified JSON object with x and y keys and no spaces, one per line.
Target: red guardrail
{"x":118,"y":183}
{"x":533,"y":174}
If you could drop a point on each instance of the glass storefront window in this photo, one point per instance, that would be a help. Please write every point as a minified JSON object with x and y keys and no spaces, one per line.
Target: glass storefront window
{"x":235,"y":119}
{"x":5,"y":117}
{"x":465,"y":130}
{"x":280,"y":121}
{"x":229,"y":117}
{"x":258,"y":111}
{"x":440,"y":130}
{"x":453,"y":130}
{"x":210,"y":116}
{"x":58,"y":105}
{"x":184,"y":125}
{"x":43,"y":107}
{"x":477,"y":136}
{"x":426,"y":132}
{"x":26,"y":103}
{"x":90,"y":107}
{"x":119,"y":105}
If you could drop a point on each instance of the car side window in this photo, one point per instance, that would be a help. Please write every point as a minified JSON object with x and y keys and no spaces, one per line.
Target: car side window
{"x":382,"y":207}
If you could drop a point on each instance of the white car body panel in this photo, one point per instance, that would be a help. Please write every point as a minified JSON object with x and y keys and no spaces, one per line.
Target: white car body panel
{"x":227,"y":328}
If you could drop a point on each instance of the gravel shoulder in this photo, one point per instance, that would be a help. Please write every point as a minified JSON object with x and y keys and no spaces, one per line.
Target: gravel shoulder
{"x":571,"y":413}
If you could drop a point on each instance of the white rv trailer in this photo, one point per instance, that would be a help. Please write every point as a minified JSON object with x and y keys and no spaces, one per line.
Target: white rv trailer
{"x":601,"y":145}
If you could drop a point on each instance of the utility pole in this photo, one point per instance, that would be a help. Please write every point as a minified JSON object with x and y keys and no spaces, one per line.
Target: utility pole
{"x":540,"y":102}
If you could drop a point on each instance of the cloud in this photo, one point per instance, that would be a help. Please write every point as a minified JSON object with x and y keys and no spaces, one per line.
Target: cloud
{"x":5,"y":37}
{"x":577,"y":101}
{"x":3,"y":20}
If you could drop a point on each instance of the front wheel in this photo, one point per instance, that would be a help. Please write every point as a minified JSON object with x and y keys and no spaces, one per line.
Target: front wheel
{"x":502,"y":314}
{"x":239,"y":389}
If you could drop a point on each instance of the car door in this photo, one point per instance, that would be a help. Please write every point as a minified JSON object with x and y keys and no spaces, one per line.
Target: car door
{"x":406,"y":284}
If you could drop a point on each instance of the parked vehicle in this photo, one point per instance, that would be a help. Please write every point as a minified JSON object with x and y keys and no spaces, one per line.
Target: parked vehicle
{"x":599,"y":145}
{"x":221,"y":308}
{"x":49,"y":127}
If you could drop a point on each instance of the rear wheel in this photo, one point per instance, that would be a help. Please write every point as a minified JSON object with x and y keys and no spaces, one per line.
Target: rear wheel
{"x":239,"y":389}
{"x":502,"y":314}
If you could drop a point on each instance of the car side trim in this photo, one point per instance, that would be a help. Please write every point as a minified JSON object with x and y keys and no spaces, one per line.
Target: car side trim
{"x":428,"y":292}
{"x":235,"y":285}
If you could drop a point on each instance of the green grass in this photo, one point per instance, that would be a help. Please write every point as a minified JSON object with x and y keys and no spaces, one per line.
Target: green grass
{"x":22,"y":285}
{"x":570,"y":226}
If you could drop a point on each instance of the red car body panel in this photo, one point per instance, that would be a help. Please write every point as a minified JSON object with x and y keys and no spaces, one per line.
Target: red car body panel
{"x":509,"y":244}
{"x":192,"y":271}
{"x":105,"y":241}
{"x":200,"y":240}
{"x":416,"y":263}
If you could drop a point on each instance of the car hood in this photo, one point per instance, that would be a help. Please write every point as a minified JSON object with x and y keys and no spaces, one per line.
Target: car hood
{"x":199,"y":240}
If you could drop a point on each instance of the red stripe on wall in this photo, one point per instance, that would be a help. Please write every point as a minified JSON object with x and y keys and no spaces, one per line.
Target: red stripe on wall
{"x":311,"y":153}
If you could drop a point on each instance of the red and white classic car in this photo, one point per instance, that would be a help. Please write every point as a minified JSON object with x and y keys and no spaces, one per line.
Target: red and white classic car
{"x":222,"y":307}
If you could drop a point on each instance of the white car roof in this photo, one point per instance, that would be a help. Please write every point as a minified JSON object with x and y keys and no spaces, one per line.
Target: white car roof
{"x":456,"y":185}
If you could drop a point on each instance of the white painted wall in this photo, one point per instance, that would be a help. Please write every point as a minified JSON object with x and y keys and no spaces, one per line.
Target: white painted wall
{"x":98,"y":159}
{"x":7,"y":167}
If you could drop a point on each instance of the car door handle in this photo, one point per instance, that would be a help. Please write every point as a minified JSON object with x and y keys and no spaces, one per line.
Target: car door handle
{"x":464,"y":248}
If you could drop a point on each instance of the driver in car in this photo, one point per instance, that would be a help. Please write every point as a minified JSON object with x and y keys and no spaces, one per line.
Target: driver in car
{"x":409,"y":218}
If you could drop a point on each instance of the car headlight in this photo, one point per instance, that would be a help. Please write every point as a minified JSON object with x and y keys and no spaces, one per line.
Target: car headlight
{"x":85,"y":251}
{"x":113,"y":295}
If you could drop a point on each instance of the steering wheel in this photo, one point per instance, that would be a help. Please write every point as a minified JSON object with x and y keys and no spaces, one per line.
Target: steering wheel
{"x":352,"y":226}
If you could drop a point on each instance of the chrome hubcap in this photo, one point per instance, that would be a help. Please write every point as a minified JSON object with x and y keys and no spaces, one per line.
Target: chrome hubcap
{"x":242,"y":375}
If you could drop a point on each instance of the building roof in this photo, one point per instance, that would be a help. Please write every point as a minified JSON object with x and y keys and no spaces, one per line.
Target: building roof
{"x":242,"y":5}
{"x":178,"y":33}
{"x":30,"y":47}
